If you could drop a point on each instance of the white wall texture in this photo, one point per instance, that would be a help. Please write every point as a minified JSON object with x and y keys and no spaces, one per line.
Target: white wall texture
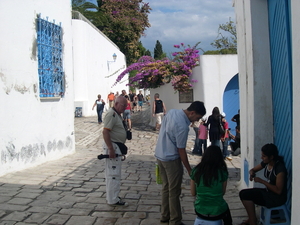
{"x":32,"y":131}
{"x":255,"y":80}
{"x":255,"y":85}
{"x":95,"y":72}
{"x":213,"y":74}
{"x":295,"y":18}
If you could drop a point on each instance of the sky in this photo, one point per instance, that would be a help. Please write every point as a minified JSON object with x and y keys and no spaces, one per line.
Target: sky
{"x":178,"y":21}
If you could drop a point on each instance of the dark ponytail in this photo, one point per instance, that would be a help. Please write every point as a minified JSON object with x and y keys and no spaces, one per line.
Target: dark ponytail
{"x":271,"y":150}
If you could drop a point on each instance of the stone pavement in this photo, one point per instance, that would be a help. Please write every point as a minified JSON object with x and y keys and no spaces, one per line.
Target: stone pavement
{"x":71,"y":190}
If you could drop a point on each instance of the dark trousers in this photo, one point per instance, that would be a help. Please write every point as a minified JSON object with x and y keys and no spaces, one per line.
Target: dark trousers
{"x":99,"y":112}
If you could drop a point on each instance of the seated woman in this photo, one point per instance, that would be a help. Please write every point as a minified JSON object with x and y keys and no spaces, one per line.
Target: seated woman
{"x":208,"y":183}
{"x":275,"y":193}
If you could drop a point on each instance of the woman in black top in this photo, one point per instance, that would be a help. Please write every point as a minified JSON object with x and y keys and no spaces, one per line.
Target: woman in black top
{"x":275,"y":192}
{"x":213,"y":122}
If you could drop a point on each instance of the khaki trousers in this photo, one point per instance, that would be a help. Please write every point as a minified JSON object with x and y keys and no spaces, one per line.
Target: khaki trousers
{"x":171,"y":173}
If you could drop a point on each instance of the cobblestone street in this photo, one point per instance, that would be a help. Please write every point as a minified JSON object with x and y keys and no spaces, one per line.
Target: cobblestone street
{"x":71,"y":190}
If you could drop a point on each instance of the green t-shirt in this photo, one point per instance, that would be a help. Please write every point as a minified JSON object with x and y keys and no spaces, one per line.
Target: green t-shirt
{"x":209,"y":200}
{"x":114,"y":123}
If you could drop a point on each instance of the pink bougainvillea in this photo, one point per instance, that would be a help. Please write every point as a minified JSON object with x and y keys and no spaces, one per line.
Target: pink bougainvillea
{"x":153,"y":73}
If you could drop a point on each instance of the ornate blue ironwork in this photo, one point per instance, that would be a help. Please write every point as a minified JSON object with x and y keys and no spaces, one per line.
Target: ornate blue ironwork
{"x":50,"y":69}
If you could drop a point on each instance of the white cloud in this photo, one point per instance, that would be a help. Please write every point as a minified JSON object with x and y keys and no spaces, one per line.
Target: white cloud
{"x":176,"y":21}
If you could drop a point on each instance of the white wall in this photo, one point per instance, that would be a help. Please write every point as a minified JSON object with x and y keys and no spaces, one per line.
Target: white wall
{"x":255,"y":80}
{"x":32,"y":131}
{"x":95,"y":72}
{"x":295,"y":18}
{"x":213,"y":74}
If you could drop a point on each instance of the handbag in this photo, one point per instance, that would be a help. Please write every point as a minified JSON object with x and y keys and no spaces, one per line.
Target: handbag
{"x":221,"y":127}
{"x":128,"y":132}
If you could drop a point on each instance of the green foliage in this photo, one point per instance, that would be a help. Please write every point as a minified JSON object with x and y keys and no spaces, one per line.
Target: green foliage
{"x":127,"y":21}
{"x":158,"y":51}
{"x":142,"y":50}
{"x":92,"y":12}
{"x":226,"y":44}
{"x":220,"y":52}
{"x":148,"y":53}
{"x":122,"y":21}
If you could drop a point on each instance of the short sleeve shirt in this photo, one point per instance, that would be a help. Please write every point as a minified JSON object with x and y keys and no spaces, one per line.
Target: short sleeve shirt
{"x":173,"y":135}
{"x":114,"y":123}
{"x":210,"y":200}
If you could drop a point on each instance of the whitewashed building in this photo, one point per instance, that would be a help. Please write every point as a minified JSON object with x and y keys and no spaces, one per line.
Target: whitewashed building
{"x":268,"y":42}
{"x":49,"y":64}
{"x":217,"y":85}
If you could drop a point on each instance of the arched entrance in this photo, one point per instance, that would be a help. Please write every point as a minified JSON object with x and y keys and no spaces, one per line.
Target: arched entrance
{"x":231,"y":101}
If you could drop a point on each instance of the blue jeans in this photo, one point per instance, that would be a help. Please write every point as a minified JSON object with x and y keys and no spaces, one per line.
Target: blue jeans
{"x":225,"y":147}
{"x":100,"y":115}
{"x":215,"y":142}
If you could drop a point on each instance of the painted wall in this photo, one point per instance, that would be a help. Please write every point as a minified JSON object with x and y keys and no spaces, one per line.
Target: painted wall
{"x":32,"y":131}
{"x":295,"y":18}
{"x":213,"y":74}
{"x":254,"y":81}
{"x":95,"y":71}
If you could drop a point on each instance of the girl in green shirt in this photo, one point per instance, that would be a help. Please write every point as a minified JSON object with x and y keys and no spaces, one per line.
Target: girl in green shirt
{"x":208,"y":184}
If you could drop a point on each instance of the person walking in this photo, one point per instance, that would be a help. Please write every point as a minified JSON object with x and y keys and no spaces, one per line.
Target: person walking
{"x":110,"y":99}
{"x":213,"y":123}
{"x":225,"y":138}
{"x":170,"y":153}
{"x":140,"y":98}
{"x":127,"y":113}
{"x":100,"y":106}
{"x":203,"y":134}
{"x":114,"y":136}
{"x":158,"y":110}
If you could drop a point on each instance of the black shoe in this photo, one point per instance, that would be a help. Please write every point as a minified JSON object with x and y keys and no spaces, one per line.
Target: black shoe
{"x":164,"y":221}
{"x":120,"y":203}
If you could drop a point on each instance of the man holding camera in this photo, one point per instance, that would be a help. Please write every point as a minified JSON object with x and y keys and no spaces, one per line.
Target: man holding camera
{"x":114,"y":132}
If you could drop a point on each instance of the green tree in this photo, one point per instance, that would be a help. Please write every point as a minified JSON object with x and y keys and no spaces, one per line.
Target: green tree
{"x":148,"y":53}
{"x":142,"y":50}
{"x":158,"y":51}
{"x":226,"y":41}
{"x":123,"y":22}
{"x":127,"y":21}
{"x":91,"y":11}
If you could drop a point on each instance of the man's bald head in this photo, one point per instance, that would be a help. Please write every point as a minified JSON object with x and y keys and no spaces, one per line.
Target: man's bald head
{"x":120,"y":104}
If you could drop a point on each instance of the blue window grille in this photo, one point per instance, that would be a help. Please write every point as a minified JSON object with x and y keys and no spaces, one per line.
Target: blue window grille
{"x":50,"y":65}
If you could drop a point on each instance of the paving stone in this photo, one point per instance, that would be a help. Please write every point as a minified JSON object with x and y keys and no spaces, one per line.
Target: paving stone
{"x":57,"y":219}
{"x":106,"y":221}
{"x":6,"y":222}
{"x":148,"y":208}
{"x":45,"y":209}
{"x":20,"y":201}
{"x":127,"y":221}
{"x":82,"y":220}
{"x":37,"y":218}
{"x":75,"y":212}
{"x":11,"y":207}
{"x":140,"y":215}
{"x":108,"y":214}
{"x":17,"y":216}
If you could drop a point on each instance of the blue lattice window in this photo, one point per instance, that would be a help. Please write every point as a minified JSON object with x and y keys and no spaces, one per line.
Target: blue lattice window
{"x":50,"y":64}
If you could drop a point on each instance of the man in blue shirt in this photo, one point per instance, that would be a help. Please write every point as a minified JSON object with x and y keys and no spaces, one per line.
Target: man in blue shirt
{"x":170,"y":153}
